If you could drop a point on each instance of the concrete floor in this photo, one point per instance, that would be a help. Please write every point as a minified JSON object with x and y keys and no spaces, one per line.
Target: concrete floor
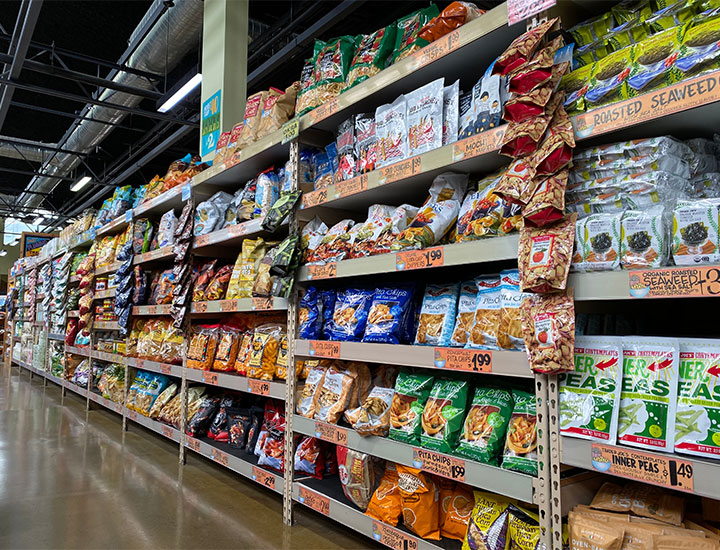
{"x":71,"y":480}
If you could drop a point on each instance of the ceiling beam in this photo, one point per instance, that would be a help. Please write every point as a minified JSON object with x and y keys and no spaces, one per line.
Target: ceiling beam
{"x":40,"y":145}
{"x":74,"y":116}
{"x":32,"y":173}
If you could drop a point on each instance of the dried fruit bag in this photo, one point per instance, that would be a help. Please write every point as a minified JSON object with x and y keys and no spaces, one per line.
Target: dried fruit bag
{"x":442,"y":417}
{"x":545,"y":255}
{"x":437,"y":315}
{"x":548,"y":322}
{"x":488,"y":526}
{"x":483,"y":433}
{"x":520,"y":453}
{"x":590,"y":396}
{"x":411,"y":393}
{"x":697,"y":421}
{"x":649,"y":393}
{"x":419,"y":494}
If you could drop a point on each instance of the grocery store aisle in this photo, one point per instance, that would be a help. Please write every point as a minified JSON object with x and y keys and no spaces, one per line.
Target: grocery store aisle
{"x":68,"y":482}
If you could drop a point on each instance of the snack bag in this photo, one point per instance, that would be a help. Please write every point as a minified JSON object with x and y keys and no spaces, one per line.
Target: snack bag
{"x":244,"y":353}
{"x":278,"y":108}
{"x":372,"y":417}
{"x":227,"y":349}
{"x":357,"y":476}
{"x":201,"y":351}
{"x":371,"y":55}
{"x":644,"y":240}
{"x":411,"y":393}
{"x":509,"y":331}
{"x":365,"y":143}
{"x":333,"y":396}
{"x":456,"y":506}
{"x":407,"y":39}
{"x":437,"y":315}
{"x":310,"y":315}
{"x":443,"y":414}
{"x":654,"y":62}
{"x":451,"y":113}
{"x":350,"y":314}
{"x":467,"y":304}
{"x":245,"y":268}
{"x":306,"y":98}
{"x":521,"y":50}
{"x":520,"y":453}
{"x":483,"y":433}
{"x":597,"y":242}
{"x":425,"y":117}
{"x":251,"y":119}
{"x":483,"y":330}
{"x":547,"y":204}
{"x":333,"y":245}
{"x":385,"y":504}
{"x":545,"y":255}
{"x":309,"y":458}
{"x":548,"y":322}
{"x":608,"y":81}
{"x":264,"y":352}
{"x":306,"y":402}
{"x":419,"y":497}
{"x":488,"y":526}
{"x":332,"y":61}
{"x":523,"y":529}
{"x":696,"y":235}
{"x":387,"y":313}
{"x":391,"y":131}
{"x":642,"y":499}
{"x":649,"y":393}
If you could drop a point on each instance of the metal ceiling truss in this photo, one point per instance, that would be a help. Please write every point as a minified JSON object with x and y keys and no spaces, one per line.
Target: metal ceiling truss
{"x":74,"y":116}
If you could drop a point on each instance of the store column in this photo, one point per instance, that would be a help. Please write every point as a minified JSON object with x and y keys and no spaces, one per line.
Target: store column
{"x":224,"y":69}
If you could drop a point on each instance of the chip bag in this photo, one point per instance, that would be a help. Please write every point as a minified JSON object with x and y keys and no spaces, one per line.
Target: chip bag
{"x":387,"y":312}
{"x":520,"y":453}
{"x":437,"y":315}
{"x":357,"y":476}
{"x":411,"y":393}
{"x":488,"y":526}
{"x":548,"y":322}
{"x":371,"y":55}
{"x":485,"y":322}
{"x":442,"y":417}
{"x":264,"y":352}
{"x":385,"y":504}
{"x":203,"y":344}
{"x":483,"y":433}
{"x":419,"y":497}
{"x":350,"y":314}
{"x":466,"y":313}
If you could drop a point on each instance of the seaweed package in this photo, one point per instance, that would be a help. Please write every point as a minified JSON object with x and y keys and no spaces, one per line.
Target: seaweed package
{"x":411,"y":393}
{"x":350,"y":314}
{"x":699,"y":52}
{"x":483,"y":433}
{"x":437,"y":315}
{"x":597,"y":239}
{"x":590,"y":396}
{"x":644,"y":238}
{"x":654,"y":60}
{"x":649,"y":393}
{"x":391,"y":132}
{"x":488,"y":525}
{"x":520,"y":454}
{"x":696,"y":235}
{"x":442,"y":417}
{"x":387,"y":313}
{"x":608,"y":81}
{"x":425,"y":117}
{"x":371,"y":55}
{"x":407,"y":40}
{"x":698,"y":413}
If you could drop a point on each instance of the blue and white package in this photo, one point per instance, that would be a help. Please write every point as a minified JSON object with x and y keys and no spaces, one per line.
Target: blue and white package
{"x":309,"y":315}
{"x":327,"y":308}
{"x":387,"y":314}
{"x":465,"y":313}
{"x":437,"y":315}
{"x":486,"y":321}
{"x":350,"y":314}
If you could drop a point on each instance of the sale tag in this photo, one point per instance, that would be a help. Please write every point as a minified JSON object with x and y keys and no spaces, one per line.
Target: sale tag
{"x":316,"y":501}
{"x":128,"y":215}
{"x":469,"y":360}
{"x":324,"y":111}
{"x":132,"y":415}
{"x":331,"y":433}
{"x":436,"y":49}
{"x":519,"y":10}
{"x":419,"y":259}
{"x":313,"y":198}
{"x":352,"y":186}
{"x":263,"y":477}
{"x":645,"y":467}
{"x":165,"y":368}
{"x":199,"y":307}
{"x":393,"y":538}
{"x":479,"y":144}
{"x":237,"y":230}
{"x":167,"y":431}
{"x":327,"y":271}
{"x":193,"y":444}
{"x":322,"y":348}
{"x":186,"y":189}
{"x":210,"y":378}
{"x":439,"y":464}
{"x":258,"y":387}
{"x":677,"y":282}
{"x":228,"y":305}
{"x":400,"y":170}
{"x":290,"y":130}
{"x":259,"y":304}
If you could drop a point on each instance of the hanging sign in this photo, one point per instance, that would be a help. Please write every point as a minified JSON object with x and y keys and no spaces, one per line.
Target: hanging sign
{"x":210,"y":125}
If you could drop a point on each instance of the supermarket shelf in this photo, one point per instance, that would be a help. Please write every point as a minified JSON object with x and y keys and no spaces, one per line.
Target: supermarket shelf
{"x":75,"y":388}
{"x":59,"y":337}
{"x":74,"y":279}
{"x":170,"y":199}
{"x":105,"y":325}
{"x":154,"y":366}
{"x":164,"y":253}
{"x":232,"y":235}
{"x":100,"y":400}
{"x":238,"y":461}
{"x":490,"y":478}
{"x":109,"y":357}
{"x":507,"y":363}
{"x":163,"y":309}
{"x":603,"y":285}
{"x":74,"y":313}
{"x":237,"y":382}
{"x":154,"y":425}
{"x":705,"y":472}
{"x":484,"y":250}
{"x":326,"y":497}
{"x":56,"y":379}
{"x":84,"y":352}
{"x":113,"y":267}
{"x":239,"y":305}
{"x":102,"y":294}
{"x":116,"y":226}
{"x":84,"y":240}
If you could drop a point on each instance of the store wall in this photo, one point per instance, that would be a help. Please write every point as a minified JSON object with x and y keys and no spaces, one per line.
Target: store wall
{"x":6,"y":262}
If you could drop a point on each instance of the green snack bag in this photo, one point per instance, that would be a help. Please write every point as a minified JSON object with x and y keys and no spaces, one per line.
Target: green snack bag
{"x":593,"y":30}
{"x":483,"y":433}
{"x":520,"y":453}
{"x":673,"y":15}
{"x":332,"y":62}
{"x":631,"y":11}
{"x":280,"y":210}
{"x":411,"y":393}
{"x":649,"y":393}
{"x":371,"y":54}
{"x":590,"y":396}
{"x":698,"y":52}
{"x":575,"y":85}
{"x":653,"y":62}
{"x":608,"y":82}
{"x":442,"y":417}
{"x":697,"y":422}
{"x":408,"y":29}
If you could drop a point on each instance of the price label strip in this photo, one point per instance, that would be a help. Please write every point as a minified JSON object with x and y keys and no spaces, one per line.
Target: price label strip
{"x":165,"y":368}
{"x":400,"y":170}
{"x":346,"y":188}
{"x":645,"y":467}
{"x":258,"y":387}
{"x":419,"y":259}
{"x":210,"y":378}
{"x":323,"y":111}
{"x":468,"y":360}
{"x":263,"y":477}
{"x":199,"y":307}
{"x":167,"y":431}
{"x":261,"y":304}
{"x":393,"y":538}
{"x":331,"y":433}
{"x":327,"y":271}
{"x":436,"y":49}
{"x":679,"y":282}
{"x":480,"y":144}
{"x":193,"y":444}
{"x":316,"y":501}
{"x":290,"y":130}
{"x":220,"y":457}
{"x":321,"y":348}
{"x":313,"y":198}
{"x":228,"y":305}
{"x":439,"y":464}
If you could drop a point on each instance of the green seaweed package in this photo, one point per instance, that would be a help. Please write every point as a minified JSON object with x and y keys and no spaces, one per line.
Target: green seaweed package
{"x":697,"y":421}
{"x":411,"y":393}
{"x":520,"y":454}
{"x":653,"y":62}
{"x":699,"y":51}
{"x":483,"y":434}
{"x":590,"y":396}
{"x":371,"y":54}
{"x":649,"y":392}
{"x":442,"y":417}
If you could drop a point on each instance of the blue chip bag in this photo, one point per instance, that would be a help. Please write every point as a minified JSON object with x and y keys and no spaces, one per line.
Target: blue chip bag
{"x":387,"y":314}
{"x":309,"y":315}
{"x":350,"y":314}
{"x":327,"y":307}
{"x":437,"y":315}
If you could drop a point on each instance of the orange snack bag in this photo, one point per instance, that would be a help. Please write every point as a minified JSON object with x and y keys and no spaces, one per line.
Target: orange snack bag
{"x":264,"y":351}
{"x":385,"y":504}
{"x":419,"y":497}
{"x":227,"y":349}
{"x":201,"y":351}
{"x":243,"y":352}
{"x":455,"y":512}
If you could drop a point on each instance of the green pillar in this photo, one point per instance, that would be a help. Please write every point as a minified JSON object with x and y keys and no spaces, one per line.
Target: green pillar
{"x":224,"y":69}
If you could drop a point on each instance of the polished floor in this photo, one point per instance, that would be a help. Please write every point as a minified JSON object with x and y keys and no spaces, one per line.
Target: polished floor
{"x":73,"y":479}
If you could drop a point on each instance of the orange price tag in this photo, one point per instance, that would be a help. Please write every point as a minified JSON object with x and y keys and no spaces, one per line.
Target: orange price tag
{"x":262,"y":303}
{"x":167,"y":431}
{"x":153,"y":310}
{"x":258,"y":387}
{"x":237,"y":230}
{"x":321,"y":348}
{"x":327,"y":271}
{"x":210,"y":378}
{"x":645,"y":467}
{"x":439,"y":464}
{"x":132,"y":415}
{"x":419,"y":259}
{"x":202,"y":240}
{"x":358,"y":184}
{"x":228,"y":305}
{"x":316,"y":501}
{"x":437,"y":49}
{"x":393,"y":538}
{"x":400,"y":170}
{"x":220,"y":457}
{"x":165,"y":368}
{"x":199,"y":307}
{"x":480,"y":144}
{"x":313,"y":198}
{"x":193,"y":444}
{"x":675,"y":282}
{"x":331,"y":433}
{"x":263,"y":477}
{"x":469,"y":360}
{"x":323,"y":111}
{"x":140,"y":363}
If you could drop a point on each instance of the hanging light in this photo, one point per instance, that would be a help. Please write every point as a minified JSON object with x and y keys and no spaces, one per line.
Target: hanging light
{"x":188,"y":87}
{"x":79,"y":184}
{"x":3,"y":252}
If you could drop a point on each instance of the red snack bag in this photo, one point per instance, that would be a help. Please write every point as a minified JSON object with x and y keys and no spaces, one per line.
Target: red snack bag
{"x":518,"y":183}
{"x":310,"y":458}
{"x":536,"y":73}
{"x":521,"y":49}
{"x":524,"y":138}
{"x":71,"y":332}
{"x":525,"y":106}
{"x":548,"y":201}
{"x":556,"y":150}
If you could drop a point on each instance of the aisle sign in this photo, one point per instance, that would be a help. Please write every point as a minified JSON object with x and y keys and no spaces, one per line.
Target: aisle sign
{"x":210,"y":125}
{"x":479,"y":144}
{"x":331,"y":433}
{"x":316,"y":501}
{"x":263,"y":477}
{"x":258,"y":387}
{"x":393,"y":538}
{"x":469,"y":360}
{"x":439,"y":464}
{"x":676,"y":282}
{"x":519,"y":10}
{"x":419,"y":259}
{"x":645,"y":467}
{"x":324,"y":348}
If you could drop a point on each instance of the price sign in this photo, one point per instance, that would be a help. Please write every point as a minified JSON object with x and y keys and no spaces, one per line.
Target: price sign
{"x":439,"y":464}
{"x":199,"y":307}
{"x":259,"y":304}
{"x":645,"y":467}
{"x":258,"y":387}
{"x":325,"y":110}
{"x":678,"y":282}
{"x":352,"y":186}
{"x":167,"y":431}
{"x":290,"y":130}
{"x":331,"y":433}
{"x":437,"y":49}
{"x":419,"y":259}
{"x":393,"y":538}
{"x":468,"y":360}
{"x":202,"y":240}
{"x":210,"y":378}
{"x":400,"y":170}
{"x":193,"y":444}
{"x":165,"y":368}
{"x":327,"y":271}
{"x":220,"y":457}
{"x":153,"y":310}
{"x":263,"y":477}
{"x":238,"y":229}
{"x":479,"y":144}
{"x":140,"y":363}
{"x":128,"y":215}
{"x":132,"y":415}
{"x":316,"y":501}
{"x":228,"y":305}
{"x":519,"y":10}
{"x":185,"y":193}
{"x":313,"y":198}
{"x":320,"y":348}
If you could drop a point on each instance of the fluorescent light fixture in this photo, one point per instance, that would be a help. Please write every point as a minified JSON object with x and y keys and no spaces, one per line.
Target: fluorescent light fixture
{"x":79,"y":184}
{"x":188,"y":87}
{"x":3,"y":252}
{"x":38,"y":220}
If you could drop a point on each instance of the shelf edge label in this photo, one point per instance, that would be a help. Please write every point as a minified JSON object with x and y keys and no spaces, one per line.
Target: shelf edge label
{"x":519,"y":10}
{"x":331,"y":433}
{"x":469,"y":360}
{"x":316,"y":501}
{"x":678,"y":282}
{"x":393,"y":538}
{"x":264,"y":478}
{"x":439,"y":464}
{"x":419,"y":259}
{"x":323,"y":348}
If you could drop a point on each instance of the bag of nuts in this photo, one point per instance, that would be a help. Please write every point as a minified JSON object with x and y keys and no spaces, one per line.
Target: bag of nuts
{"x":547,"y":204}
{"x":549,"y":331}
{"x":545,"y":254}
